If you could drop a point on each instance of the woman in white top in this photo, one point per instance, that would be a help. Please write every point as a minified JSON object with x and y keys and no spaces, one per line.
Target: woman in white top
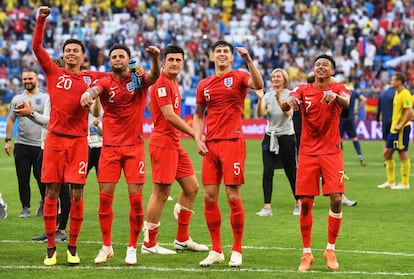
{"x":279,"y":143}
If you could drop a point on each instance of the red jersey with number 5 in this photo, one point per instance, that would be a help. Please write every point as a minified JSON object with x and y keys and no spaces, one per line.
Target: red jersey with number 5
{"x":224,"y":98}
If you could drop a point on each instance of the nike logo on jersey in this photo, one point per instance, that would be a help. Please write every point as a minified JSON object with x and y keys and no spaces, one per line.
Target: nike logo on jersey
{"x":308,"y":98}
{"x":113,"y":88}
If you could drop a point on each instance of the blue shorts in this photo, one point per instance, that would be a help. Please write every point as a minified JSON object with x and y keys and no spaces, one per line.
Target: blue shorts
{"x":347,"y":125}
{"x":399,"y":141}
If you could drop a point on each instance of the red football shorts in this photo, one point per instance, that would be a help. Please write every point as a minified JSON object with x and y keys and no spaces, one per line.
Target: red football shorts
{"x":169,"y":164}
{"x":130,"y":158}
{"x":65,"y":159}
{"x":326,"y":168}
{"x":225,"y":159}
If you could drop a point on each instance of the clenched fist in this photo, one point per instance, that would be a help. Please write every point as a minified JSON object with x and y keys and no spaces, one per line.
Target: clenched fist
{"x":44,"y":11}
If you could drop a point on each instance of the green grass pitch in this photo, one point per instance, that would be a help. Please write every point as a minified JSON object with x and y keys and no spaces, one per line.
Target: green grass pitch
{"x":376,"y":237}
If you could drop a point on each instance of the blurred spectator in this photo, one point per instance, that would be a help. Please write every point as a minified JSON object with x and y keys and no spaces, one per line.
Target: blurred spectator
{"x":3,"y":108}
{"x":366,"y":33}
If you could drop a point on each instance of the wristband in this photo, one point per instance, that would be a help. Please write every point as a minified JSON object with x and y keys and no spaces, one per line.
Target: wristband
{"x":7,"y":139}
{"x":86,"y":94}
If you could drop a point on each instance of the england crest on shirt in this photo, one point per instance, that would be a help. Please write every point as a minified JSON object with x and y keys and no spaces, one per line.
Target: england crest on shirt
{"x":130,"y":87}
{"x":87,"y":80}
{"x":228,"y":82}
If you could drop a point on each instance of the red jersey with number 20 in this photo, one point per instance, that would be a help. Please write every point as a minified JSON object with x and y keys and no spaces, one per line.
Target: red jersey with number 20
{"x":224,"y":98}
{"x":67,"y":117}
{"x":320,"y":121}
{"x":164,"y":92}
{"x":123,"y":107}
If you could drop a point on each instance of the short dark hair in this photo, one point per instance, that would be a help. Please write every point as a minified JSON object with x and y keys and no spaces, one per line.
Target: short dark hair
{"x":74,"y":41}
{"x":222,"y":43}
{"x":328,"y":57}
{"x":401,"y":77}
{"x":29,"y":70}
{"x":120,"y":46}
{"x":172,"y":49}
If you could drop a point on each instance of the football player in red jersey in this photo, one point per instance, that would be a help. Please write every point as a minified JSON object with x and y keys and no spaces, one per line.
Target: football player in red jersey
{"x":224,"y":150}
{"x":65,"y":157}
{"x":169,"y":160}
{"x":320,"y":153}
{"x":123,"y":142}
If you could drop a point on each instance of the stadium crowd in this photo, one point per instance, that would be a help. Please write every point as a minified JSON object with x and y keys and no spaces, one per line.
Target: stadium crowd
{"x":363,"y":36}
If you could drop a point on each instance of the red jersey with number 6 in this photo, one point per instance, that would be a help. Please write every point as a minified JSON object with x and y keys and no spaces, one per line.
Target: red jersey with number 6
{"x":164,"y":92}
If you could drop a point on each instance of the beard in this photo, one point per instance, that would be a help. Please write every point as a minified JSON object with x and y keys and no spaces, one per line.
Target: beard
{"x":117,"y":70}
{"x":29,"y":86}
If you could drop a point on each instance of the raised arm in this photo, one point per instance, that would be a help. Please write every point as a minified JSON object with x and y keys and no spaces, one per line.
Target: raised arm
{"x":153,"y":75}
{"x":256,"y":80}
{"x":261,"y":104}
{"x":40,"y":53}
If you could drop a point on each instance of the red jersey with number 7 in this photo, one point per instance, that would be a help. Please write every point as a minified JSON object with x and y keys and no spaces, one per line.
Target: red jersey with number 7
{"x":320,"y":121}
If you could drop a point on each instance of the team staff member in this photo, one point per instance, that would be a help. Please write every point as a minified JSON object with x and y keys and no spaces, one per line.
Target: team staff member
{"x":169,"y":160}
{"x":28,"y":142}
{"x":123,"y":143}
{"x":65,"y":157}
{"x":64,"y":197}
{"x":224,"y":150}
{"x":320,"y":153}
{"x":279,"y":139}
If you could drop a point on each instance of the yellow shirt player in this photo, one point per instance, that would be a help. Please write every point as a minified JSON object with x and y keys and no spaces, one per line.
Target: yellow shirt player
{"x":399,"y":136}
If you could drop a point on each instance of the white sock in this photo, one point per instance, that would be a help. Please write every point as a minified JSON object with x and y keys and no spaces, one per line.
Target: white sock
{"x":330,"y":246}
{"x":307,"y":250}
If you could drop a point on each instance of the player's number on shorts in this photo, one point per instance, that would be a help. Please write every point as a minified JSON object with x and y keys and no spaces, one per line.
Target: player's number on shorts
{"x":83,"y":166}
{"x":342,"y":173}
{"x":237,"y":168}
{"x":65,"y":83}
{"x":141,"y":165}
